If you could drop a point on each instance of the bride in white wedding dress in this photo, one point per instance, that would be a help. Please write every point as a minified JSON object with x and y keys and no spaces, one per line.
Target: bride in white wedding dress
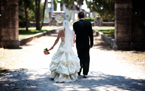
{"x":65,"y":64}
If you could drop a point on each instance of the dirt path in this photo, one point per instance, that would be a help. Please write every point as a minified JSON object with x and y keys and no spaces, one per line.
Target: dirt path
{"x":109,"y":70}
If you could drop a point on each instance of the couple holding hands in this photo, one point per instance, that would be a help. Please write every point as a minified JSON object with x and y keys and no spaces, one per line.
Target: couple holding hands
{"x":65,"y":65}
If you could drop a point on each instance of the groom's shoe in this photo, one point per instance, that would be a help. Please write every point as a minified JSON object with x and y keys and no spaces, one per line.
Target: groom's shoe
{"x":84,"y":76}
{"x":79,"y":73}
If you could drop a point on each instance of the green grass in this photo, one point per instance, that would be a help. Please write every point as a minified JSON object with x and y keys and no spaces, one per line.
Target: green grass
{"x":89,"y":19}
{"x":109,"y":32}
{"x":32,"y":30}
{"x":23,"y":33}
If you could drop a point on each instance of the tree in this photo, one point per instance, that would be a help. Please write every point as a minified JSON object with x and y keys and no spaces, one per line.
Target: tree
{"x":70,"y":4}
{"x":29,"y":10}
{"x":26,"y":15}
{"x":26,"y":12}
{"x":105,"y":8}
{"x":21,"y":12}
{"x":43,"y":13}
{"x":79,"y":3}
{"x":37,"y":3}
{"x":38,"y":14}
{"x":55,"y":4}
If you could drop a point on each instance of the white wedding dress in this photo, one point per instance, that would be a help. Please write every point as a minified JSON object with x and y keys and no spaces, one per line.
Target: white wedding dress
{"x":64,"y":65}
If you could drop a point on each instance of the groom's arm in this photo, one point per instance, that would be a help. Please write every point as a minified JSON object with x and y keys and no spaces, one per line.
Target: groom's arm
{"x":91,"y":35}
{"x":74,"y":28}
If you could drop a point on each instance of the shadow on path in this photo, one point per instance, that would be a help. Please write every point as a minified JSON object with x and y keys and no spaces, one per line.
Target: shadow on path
{"x":25,"y":80}
{"x":99,"y":44}
{"x":38,"y":79}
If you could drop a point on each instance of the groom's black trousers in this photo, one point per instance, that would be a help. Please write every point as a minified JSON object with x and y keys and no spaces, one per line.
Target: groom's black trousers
{"x":84,"y":56}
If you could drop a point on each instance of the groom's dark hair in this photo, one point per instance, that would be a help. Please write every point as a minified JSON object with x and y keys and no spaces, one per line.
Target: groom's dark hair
{"x":81,"y":14}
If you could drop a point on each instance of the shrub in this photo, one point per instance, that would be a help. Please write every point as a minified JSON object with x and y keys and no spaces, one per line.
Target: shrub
{"x":90,"y":19}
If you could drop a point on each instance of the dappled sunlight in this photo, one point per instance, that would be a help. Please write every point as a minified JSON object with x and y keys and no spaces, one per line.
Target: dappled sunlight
{"x":43,"y":28}
{"x":101,"y":81}
{"x":108,"y":71}
{"x":102,"y":27}
{"x":110,"y":62}
{"x":29,"y":80}
{"x":99,"y":44}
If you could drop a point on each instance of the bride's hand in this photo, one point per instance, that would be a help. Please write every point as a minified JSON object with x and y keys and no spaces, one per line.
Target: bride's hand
{"x":45,"y":52}
{"x":51,"y":48}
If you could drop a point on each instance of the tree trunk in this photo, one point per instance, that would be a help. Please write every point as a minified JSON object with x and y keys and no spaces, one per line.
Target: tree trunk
{"x":79,"y":7}
{"x":43,"y":13}
{"x":26,"y":15}
{"x":0,"y":24}
{"x":37,"y":2}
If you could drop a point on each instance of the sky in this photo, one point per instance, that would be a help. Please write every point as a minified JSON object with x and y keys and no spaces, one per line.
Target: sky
{"x":84,"y":6}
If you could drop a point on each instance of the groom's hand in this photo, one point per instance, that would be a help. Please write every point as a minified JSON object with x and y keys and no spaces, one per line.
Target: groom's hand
{"x":91,"y":46}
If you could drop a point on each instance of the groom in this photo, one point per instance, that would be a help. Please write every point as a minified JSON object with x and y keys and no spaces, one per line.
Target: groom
{"x":84,"y":41}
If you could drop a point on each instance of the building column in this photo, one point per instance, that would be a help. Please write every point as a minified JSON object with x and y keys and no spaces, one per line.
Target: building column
{"x":123,"y":23}
{"x":9,"y":24}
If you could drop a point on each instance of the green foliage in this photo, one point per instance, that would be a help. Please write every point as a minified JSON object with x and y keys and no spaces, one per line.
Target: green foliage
{"x":41,"y":10}
{"x":21,"y":11}
{"x":96,"y":14}
{"x":23,"y":33}
{"x":60,"y":18}
{"x":90,"y":19}
{"x":105,"y":8}
{"x":55,"y":4}
{"x":70,"y":3}
{"x":31,"y":15}
{"x":30,"y":31}
{"x":109,"y":32}
{"x":30,"y":10}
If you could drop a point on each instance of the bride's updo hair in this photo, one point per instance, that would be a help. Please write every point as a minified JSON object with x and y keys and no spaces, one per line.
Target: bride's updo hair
{"x":66,"y":23}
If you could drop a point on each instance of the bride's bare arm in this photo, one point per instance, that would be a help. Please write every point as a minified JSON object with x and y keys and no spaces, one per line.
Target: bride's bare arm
{"x":57,"y":39}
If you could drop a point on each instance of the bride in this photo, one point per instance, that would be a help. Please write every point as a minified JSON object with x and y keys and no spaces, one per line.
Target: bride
{"x":65,"y":64}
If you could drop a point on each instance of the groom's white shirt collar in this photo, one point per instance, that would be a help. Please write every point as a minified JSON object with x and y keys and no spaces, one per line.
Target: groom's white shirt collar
{"x":82,"y":19}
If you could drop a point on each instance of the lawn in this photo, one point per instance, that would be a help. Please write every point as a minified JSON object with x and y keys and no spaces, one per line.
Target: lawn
{"x":107,"y":30}
{"x":23,"y":33}
{"x":32,"y":30}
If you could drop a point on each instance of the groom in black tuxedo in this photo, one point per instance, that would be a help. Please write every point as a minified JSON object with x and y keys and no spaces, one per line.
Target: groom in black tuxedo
{"x":84,"y":41}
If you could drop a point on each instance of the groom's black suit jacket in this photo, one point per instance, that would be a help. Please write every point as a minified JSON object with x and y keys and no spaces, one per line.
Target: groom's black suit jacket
{"x":84,"y":38}
{"x":84,"y":33}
